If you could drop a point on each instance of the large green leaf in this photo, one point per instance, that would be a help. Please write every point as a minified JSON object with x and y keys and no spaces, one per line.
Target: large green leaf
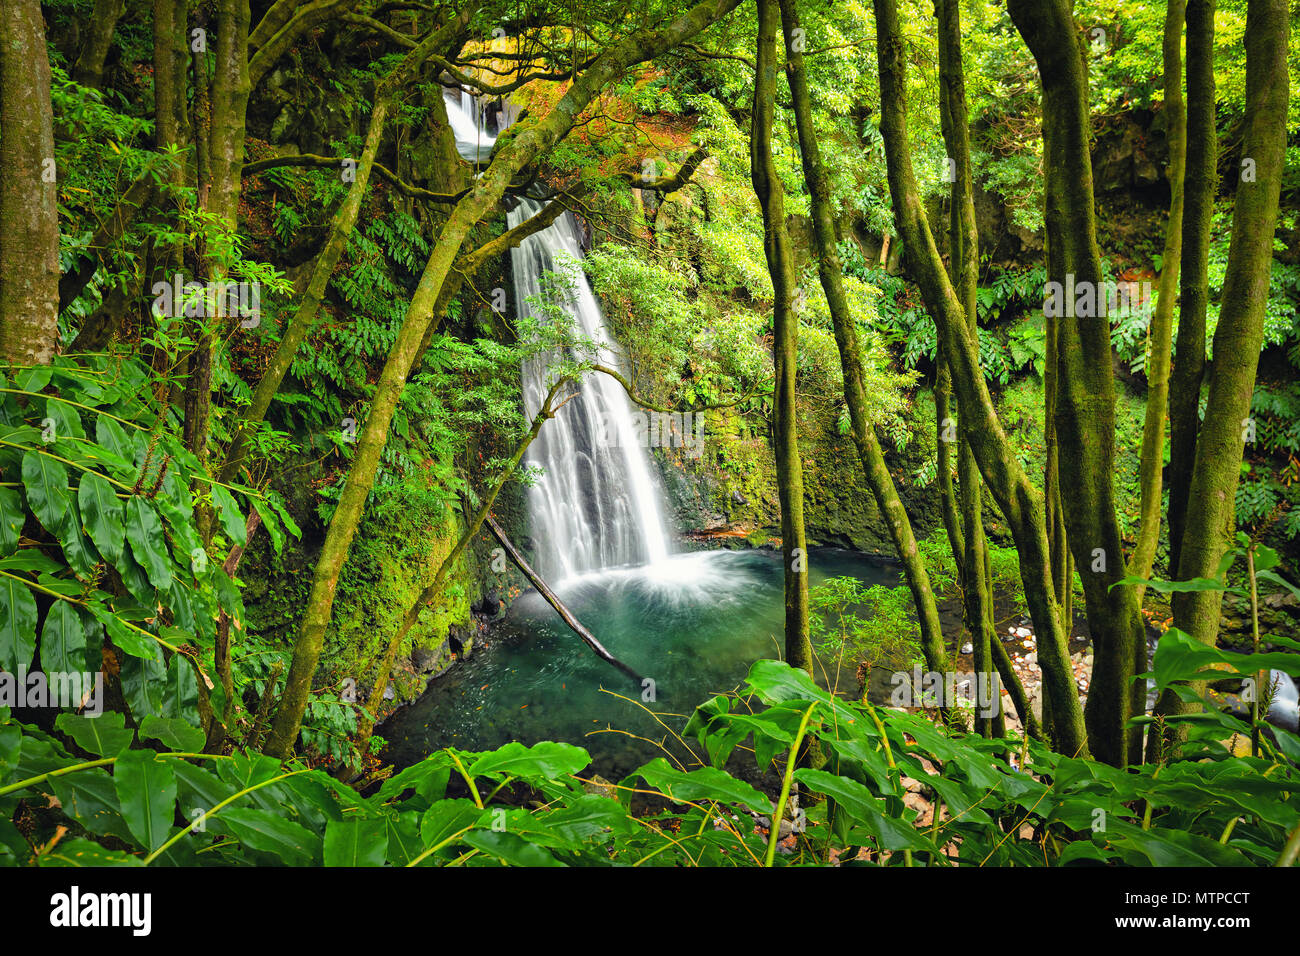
{"x":104,"y":736}
{"x":46,"y":482}
{"x":12,"y":518}
{"x":102,"y":512}
{"x":706,"y":783}
{"x":86,"y":853}
{"x":356,"y":842}
{"x":445,"y":818}
{"x":146,"y":792}
{"x":17,"y":624}
{"x":90,"y":798}
{"x":546,"y":760}
{"x":270,"y":833}
{"x":63,"y":639}
{"x":178,"y":733}
{"x":510,"y":848}
{"x":232,"y":521}
{"x":144,"y":531}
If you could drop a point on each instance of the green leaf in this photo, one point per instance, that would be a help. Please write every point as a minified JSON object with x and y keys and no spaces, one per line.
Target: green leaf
{"x":178,"y":733}
{"x":146,"y":792}
{"x":509,"y":848}
{"x":129,"y":639}
{"x":269,"y":522}
{"x":32,"y":559}
{"x":232,"y":521}
{"x":46,"y":481}
{"x":63,"y":639}
{"x":86,"y":853}
{"x":144,"y":531}
{"x":102,"y":511}
{"x":270,"y":833}
{"x":356,"y":842}
{"x":12,"y":518}
{"x":90,"y":798}
{"x":104,"y":736}
{"x":547,"y":760}
{"x":17,"y":625}
{"x":706,"y":783}
{"x":446,"y":817}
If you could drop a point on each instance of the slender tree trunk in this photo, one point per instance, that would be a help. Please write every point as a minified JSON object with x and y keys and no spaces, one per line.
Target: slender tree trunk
{"x":1020,"y":502}
{"x":1239,"y":335}
{"x":519,"y":150}
{"x":1162,"y":321}
{"x":785,"y":331}
{"x":29,"y":236}
{"x":977,"y":592}
{"x":846,"y":337}
{"x":1201,"y":184}
{"x":1085,"y":411}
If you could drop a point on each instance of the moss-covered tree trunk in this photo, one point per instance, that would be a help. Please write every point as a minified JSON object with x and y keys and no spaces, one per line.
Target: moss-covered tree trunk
{"x":846,"y":337}
{"x":529,"y":139}
{"x":1020,"y":502}
{"x":1200,"y":185}
{"x":977,"y":591}
{"x":1239,"y":336}
{"x":29,"y":223}
{"x":1085,"y":399}
{"x":785,"y":330}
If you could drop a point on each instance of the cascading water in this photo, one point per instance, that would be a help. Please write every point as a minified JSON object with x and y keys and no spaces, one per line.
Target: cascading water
{"x":595,"y":504}
{"x":470,"y":125}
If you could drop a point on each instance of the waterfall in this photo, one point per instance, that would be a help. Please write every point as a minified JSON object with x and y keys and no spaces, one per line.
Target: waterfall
{"x":470,"y":124}
{"x":596,"y":504}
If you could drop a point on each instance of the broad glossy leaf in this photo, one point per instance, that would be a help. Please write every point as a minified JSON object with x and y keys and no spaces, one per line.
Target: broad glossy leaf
{"x":445,"y":818}
{"x":547,"y":760}
{"x":103,"y":514}
{"x":270,"y":833}
{"x":362,"y":842}
{"x":104,"y":736}
{"x":12,"y":518}
{"x":86,"y":853}
{"x":706,"y":783}
{"x":510,"y":848}
{"x":178,"y":733}
{"x":89,"y":797}
{"x":146,"y":792}
{"x":144,"y":531}
{"x":232,"y":521}
{"x":46,"y":482}
{"x":63,"y":639}
{"x":17,"y":624}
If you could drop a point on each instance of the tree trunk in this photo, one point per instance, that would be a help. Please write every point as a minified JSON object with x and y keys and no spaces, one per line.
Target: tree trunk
{"x":846,"y":337}
{"x":520,"y":149}
{"x":785,"y":331}
{"x":1019,"y":501}
{"x":29,"y":239}
{"x":1239,"y":335}
{"x":977,"y":591}
{"x":1201,"y":183}
{"x":1085,"y":399}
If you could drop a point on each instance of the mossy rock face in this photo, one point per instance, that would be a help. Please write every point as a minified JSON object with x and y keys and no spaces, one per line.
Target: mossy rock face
{"x":732,"y":485}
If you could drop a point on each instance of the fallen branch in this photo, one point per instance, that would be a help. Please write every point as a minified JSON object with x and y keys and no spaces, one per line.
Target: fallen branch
{"x":553,"y":600}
